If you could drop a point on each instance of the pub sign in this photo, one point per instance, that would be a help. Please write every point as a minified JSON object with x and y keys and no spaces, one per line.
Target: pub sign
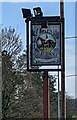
{"x":46,"y":41}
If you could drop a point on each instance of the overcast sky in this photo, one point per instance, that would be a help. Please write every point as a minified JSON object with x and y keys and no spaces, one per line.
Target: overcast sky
{"x":12,"y":16}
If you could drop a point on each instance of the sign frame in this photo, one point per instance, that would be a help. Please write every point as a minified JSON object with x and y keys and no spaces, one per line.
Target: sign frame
{"x":56,"y":20}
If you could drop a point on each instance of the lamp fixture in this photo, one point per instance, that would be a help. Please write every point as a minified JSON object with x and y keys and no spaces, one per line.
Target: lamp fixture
{"x":37,"y":11}
{"x":26,"y":13}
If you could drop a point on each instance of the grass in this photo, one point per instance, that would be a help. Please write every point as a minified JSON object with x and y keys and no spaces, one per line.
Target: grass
{"x":46,"y":49}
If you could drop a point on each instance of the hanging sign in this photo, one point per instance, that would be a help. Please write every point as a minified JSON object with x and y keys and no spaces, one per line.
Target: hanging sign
{"x":45,"y":42}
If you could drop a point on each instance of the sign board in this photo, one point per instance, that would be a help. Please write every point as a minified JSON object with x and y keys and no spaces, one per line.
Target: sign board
{"x":45,"y":42}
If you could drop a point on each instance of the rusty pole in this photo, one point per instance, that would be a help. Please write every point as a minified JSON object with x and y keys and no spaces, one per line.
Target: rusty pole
{"x":46,"y":103}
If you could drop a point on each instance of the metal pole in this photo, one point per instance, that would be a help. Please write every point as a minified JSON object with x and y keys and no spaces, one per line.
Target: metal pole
{"x":48,"y":102}
{"x":46,"y":96}
{"x":58,"y":97}
{"x":63,"y":105}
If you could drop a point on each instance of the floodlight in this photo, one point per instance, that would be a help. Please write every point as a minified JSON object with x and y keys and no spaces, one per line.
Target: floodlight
{"x":37,"y":11}
{"x":26,"y":13}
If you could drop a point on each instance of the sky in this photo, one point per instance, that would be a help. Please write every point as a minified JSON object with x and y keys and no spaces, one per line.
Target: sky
{"x":11,"y":15}
{"x":36,"y":0}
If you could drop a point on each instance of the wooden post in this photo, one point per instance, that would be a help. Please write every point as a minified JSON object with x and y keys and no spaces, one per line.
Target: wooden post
{"x":63,"y":104}
{"x":62,"y":8}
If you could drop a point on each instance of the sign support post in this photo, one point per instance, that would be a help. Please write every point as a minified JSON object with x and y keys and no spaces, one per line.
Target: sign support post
{"x":46,"y":104}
